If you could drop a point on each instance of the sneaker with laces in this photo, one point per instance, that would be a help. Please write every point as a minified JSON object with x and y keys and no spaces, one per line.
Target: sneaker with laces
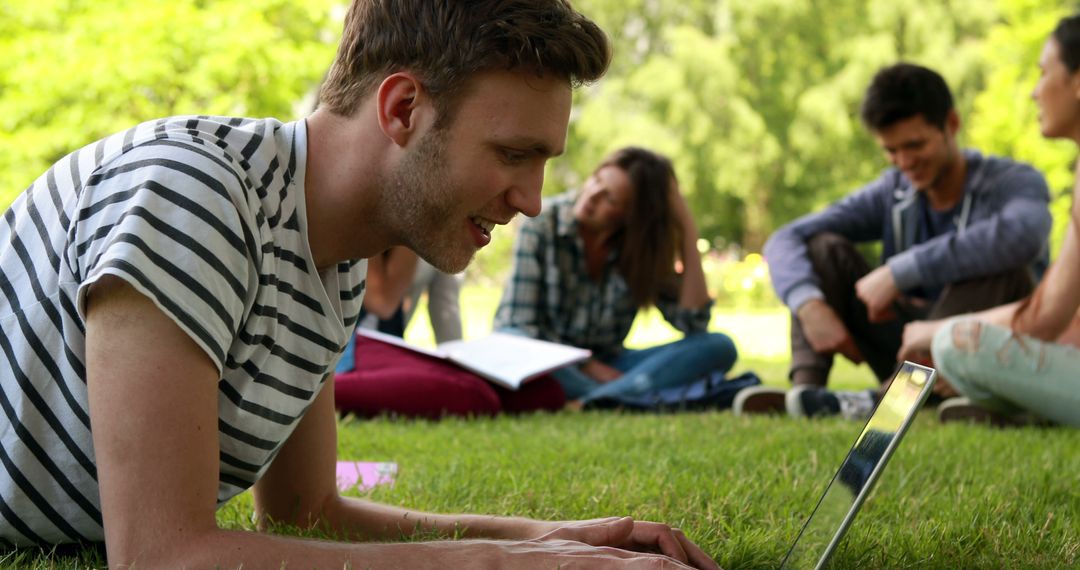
{"x":758,"y":400}
{"x":811,"y":402}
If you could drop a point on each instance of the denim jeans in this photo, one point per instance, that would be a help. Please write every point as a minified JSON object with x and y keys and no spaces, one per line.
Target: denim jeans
{"x":1009,"y":373}
{"x":674,"y":364}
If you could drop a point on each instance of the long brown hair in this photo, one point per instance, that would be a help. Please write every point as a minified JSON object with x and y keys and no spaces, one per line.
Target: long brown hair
{"x":649,"y":239}
{"x":1067,"y":36}
{"x":445,"y":43}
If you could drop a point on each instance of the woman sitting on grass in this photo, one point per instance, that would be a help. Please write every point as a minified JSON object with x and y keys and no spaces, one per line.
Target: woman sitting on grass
{"x":1023,"y":357}
{"x":586,"y":265}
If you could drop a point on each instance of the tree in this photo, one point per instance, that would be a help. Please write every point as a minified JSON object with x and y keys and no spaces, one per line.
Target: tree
{"x":757,"y":105}
{"x":73,"y":71}
{"x":1005,"y":119}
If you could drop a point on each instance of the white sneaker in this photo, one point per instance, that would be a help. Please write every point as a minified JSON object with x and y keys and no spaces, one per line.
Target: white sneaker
{"x":814,"y":402}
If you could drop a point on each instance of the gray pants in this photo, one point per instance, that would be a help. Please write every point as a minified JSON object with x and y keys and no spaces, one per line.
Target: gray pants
{"x":1010,"y":373}
{"x":839,"y":265}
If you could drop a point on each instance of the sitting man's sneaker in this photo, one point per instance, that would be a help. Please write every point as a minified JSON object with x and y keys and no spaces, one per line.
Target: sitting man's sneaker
{"x":814,"y":402}
{"x":759,"y":400}
{"x":962,"y":409}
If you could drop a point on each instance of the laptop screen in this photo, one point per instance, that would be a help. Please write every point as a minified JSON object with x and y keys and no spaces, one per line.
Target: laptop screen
{"x":868,"y":456}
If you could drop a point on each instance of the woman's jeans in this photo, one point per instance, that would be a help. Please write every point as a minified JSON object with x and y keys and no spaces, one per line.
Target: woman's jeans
{"x":665,"y":366}
{"x":1010,"y":373}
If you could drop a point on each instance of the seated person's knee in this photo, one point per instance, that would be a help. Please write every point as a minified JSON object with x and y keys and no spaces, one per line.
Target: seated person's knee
{"x":955,"y":340}
{"x":826,"y":240}
{"x":722,"y":343}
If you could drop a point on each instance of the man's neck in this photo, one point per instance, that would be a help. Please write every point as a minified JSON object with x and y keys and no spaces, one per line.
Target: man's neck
{"x":947,"y":191}
{"x":344,"y":170}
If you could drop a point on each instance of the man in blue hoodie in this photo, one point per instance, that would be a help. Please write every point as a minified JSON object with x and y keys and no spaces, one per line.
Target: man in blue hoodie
{"x":959,"y":232}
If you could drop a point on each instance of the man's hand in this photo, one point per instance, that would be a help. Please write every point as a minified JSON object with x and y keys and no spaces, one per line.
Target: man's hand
{"x":918,"y":336}
{"x":599,"y":371}
{"x":877,"y":290}
{"x":627,"y":534}
{"x":915,"y":345}
{"x":825,"y":331}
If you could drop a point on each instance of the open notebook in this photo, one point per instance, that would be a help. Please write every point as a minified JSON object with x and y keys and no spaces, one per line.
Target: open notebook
{"x":505,"y":359}
{"x":861,"y":468}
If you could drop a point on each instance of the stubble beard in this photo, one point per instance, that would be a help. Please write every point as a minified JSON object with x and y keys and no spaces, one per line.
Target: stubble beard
{"x":420,"y":198}
{"x":944,"y":167}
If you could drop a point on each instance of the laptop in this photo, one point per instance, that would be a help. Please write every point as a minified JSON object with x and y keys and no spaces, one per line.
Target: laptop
{"x":862,"y":467}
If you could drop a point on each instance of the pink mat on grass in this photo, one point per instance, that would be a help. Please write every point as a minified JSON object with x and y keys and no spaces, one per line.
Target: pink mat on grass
{"x":363,"y":475}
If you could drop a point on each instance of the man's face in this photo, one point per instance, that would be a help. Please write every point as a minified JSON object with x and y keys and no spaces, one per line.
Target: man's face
{"x":458,"y":183}
{"x":921,"y":151}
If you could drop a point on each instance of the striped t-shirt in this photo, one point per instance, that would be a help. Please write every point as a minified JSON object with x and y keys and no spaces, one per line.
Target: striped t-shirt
{"x":204,"y":215}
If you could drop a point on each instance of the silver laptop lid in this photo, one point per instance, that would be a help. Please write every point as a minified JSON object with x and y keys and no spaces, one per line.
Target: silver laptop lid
{"x":861,"y":468}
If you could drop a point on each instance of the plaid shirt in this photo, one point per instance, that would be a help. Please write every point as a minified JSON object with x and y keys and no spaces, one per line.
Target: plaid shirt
{"x":550,"y":295}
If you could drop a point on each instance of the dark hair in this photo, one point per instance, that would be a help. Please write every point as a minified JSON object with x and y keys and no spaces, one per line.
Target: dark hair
{"x":649,"y":238}
{"x":446,"y":42}
{"x":902,"y":91}
{"x":1067,"y":35}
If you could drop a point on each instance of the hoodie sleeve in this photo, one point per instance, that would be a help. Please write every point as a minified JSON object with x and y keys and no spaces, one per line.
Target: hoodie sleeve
{"x":1009,"y":226}
{"x":859,"y":217}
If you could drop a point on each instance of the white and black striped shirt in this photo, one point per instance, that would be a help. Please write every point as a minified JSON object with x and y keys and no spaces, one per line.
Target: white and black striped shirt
{"x":204,"y":215}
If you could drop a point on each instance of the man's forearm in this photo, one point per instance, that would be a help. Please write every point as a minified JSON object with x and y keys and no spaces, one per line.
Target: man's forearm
{"x":359,"y":519}
{"x":236,"y":549}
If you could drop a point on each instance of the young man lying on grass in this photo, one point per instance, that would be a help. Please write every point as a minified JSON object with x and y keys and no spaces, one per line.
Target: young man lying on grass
{"x":185,"y":286}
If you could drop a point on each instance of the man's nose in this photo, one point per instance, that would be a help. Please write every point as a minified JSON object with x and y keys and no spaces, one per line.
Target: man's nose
{"x":903,"y":160}
{"x":524,"y":196}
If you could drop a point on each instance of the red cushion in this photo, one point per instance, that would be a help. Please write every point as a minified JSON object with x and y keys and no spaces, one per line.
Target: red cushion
{"x":543,"y":393}
{"x":390,"y":379}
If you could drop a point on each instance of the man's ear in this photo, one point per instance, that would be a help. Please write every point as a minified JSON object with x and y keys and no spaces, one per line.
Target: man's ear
{"x":952,"y":122}
{"x":400,"y":105}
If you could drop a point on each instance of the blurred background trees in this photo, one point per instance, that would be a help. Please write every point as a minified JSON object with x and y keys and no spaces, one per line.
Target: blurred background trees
{"x":756,"y":102}
{"x":73,"y":71}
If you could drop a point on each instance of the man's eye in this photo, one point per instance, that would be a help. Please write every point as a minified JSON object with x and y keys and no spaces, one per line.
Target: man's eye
{"x":512,"y":156}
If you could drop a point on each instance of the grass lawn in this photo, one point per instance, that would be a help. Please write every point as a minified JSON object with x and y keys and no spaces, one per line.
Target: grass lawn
{"x":954,"y":496}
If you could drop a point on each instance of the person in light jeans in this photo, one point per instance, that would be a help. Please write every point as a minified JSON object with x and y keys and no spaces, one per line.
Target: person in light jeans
{"x":1023,"y":357}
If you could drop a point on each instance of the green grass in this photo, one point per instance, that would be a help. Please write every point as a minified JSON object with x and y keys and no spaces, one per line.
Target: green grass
{"x":954,"y":496}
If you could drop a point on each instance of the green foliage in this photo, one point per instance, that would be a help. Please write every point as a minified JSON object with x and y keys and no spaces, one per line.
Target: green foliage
{"x":73,"y":71}
{"x":740,"y":284}
{"x":756,"y":102}
{"x":1005,"y":120}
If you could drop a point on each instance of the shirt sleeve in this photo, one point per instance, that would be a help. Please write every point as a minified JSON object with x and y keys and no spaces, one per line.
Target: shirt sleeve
{"x":685,"y":319}
{"x":520,"y":307}
{"x":165,"y":219}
